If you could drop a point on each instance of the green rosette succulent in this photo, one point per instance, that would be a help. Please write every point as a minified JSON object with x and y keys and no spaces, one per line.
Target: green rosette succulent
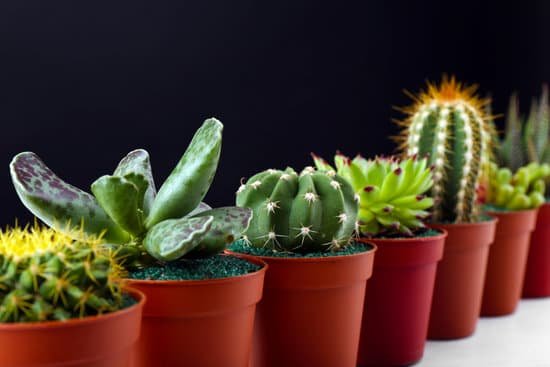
{"x":46,"y":275}
{"x":128,"y":211}
{"x":520,"y":191}
{"x":391,"y":192}
{"x":306,"y":212}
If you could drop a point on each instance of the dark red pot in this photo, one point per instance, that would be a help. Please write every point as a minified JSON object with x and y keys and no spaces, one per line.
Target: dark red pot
{"x":537,"y":272}
{"x":507,"y":260}
{"x":398,"y":300}
{"x":459,"y":279}
{"x":310,"y":314}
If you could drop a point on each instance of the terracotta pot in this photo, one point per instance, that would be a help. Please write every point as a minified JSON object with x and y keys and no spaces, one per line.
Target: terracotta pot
{"x":199,"y":323}
{"x":459,"y":279}
{"x":537,"y":272}
{"x":507,"y":260}
{"x":310,"y":314}
{"x":398,"y":300}
{"x":95,"y":341}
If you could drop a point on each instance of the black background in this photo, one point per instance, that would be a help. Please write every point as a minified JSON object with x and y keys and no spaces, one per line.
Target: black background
{"x":82,"y":83}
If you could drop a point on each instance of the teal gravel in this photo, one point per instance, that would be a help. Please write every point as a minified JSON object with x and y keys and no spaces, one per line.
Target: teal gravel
{"x":243,"y":248}
{"x":419,"y":234}
{"x":214,"y":267}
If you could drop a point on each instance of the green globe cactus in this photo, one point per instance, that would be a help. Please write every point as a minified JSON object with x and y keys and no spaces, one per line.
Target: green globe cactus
{"x":312,"y":211}
{"x":127,"y":210}
{"x":391,"y":192}
{"x":447,"y":123}
{"x":523,"y":190}
{"x":45,"y":275}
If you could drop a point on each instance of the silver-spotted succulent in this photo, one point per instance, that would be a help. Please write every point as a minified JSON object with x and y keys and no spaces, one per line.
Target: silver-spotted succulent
{"x":126,"y":209}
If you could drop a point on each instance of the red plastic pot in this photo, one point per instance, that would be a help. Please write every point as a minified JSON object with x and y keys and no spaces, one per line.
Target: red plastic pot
{"x":459,"y":280}
{"x":96,"y":341}
{"x":507,"y":260}
{"x":199,"y":323}
{"x":311,"y":311}
{"x":537,"y":272}
{"x":398,"y":300}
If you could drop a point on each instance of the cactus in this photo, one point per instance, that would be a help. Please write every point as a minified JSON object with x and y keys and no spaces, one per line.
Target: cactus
{"x":45,"y":275}
{"x":526,"y":141}
{"x":524,"y":190}
{"x":391,"y":192}
{"x":448,"y":124}
{"x":312,"y":211}
{"x":128,"y":212}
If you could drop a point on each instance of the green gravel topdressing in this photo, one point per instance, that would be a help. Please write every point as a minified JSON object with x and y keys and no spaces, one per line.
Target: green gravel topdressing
{"x":214,"y":267}
{"x":420,"y":234}
{"x":243,"y":248}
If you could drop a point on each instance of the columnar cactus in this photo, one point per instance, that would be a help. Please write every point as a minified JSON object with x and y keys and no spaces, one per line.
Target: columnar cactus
{"x":312,"y":211}
{"x":127,"y":210}
{"x":391,"y":192}
{"x":526,"y":141}
{"x":45,"y":275}
{"x":524,"y":190}
{"x":447,"y":124}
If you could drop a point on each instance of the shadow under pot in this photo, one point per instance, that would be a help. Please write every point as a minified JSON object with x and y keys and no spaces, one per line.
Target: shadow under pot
{"x":96,"y":341}
{"x":398,"y":300}
{"x":311,"y":311}
{"x":537,"y":272}
{"x":507,"y":260}
{"x":199,"y":323}
{"x":460,"y":278}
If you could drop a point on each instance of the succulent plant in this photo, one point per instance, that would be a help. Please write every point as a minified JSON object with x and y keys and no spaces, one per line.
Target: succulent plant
{"x":447,"y":123}
{"x":390,"y":191}
{"x":526,"y":141}
{"x":45,"y":275}
{"x":523,"y":190}
{"x":312,"y":211}
{"x":127,"y":210}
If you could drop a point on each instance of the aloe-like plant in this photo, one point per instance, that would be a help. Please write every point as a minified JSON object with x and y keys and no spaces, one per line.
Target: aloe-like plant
{"x":526,"y":140}
{"x":128,"y":212}
{"x":391,"y":192}
{"x":519,"y":191}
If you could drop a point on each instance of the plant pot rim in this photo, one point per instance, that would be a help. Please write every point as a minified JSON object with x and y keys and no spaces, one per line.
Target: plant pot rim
{"x":202,"y":282}
{"x":442,"y":234}
{"x":77,"y":322}
{"x":334,"y":258}
{"x":495,"y":213}
{"x":479,"y":223}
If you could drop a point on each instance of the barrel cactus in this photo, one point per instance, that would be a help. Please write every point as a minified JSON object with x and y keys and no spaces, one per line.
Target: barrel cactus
{"x":447,"y":123}
{"x":127,"y":210}
{"x":390,"y":191}
{"x":523,"y":190}
{"x":310,"y":211}
{"x":46,"y":275}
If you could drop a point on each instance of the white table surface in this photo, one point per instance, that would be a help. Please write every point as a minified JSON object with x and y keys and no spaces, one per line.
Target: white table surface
{"x":518,"y":340}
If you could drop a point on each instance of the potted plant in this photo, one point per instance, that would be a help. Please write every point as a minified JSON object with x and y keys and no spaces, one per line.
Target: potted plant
{"x":526,"y":141}
{"x":447,"y":122}
{"x":171,"y":241}
{"x":61,"y":303}
{"x":302,"y":228}
{"x":514,"y":201}
{"x":392,"y":208}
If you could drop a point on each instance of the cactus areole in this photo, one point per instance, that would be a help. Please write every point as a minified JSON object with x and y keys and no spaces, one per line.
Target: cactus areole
{"x":126,"y":208}
{"x":447,"y":124}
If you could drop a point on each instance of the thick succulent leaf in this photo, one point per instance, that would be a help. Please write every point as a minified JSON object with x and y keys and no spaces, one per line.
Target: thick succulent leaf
{"x":187,"y":185}
{"x":199,"y":209}
{"x":171,"y":239}
{"x":137,"y":162}
{"x":57,"y":203}
{"x":229,"y":224}
{"x":120,"y":199}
